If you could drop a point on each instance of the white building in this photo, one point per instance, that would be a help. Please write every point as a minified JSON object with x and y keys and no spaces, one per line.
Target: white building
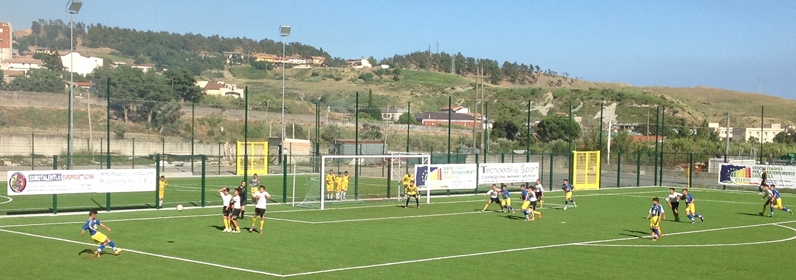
{"x":21,"y":64}
{"x":82,"y":65}
{"x":392,"y":113}
{"x":768,"y":133}
{"x":721,"y":131}
{"x":359,"y":63}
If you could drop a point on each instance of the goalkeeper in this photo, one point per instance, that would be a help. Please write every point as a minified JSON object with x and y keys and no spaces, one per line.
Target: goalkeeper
{"x":411,"y":191}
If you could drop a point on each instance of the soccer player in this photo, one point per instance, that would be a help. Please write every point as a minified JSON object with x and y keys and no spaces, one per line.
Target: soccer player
{"x":655,"y":216}
{"x":411,"y":191}
{"x":768,"y":196}
{"x":763,"y":181}
{"x":338,"y":185}
{"x":674,"y":202}
{"x":568,"y":189}
{"x":242,"y":197}
{"x":529,"y":201}
{"x":162,"y":189}
{"x":407,"y":178}
{"x":261,"y":197}
{"x":539,"y":192}
{"x":91,"y":226}
{"x":506,"y":204}
{"x":690,"y":207}
{"x":777,"y":201}
{"x":253,"y":185}
{"x":236,"y":208}
{"x":494,"y":196}
{"x":345,"y":181}
{"x":226,"y":202}
{"x":330,"y":185}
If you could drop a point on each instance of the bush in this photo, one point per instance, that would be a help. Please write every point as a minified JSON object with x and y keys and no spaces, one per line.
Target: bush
{"x":368,"y":77}
{"x":119,"y":130}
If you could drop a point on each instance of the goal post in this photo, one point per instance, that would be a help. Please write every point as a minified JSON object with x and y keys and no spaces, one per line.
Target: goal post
{"x":370,"y":176}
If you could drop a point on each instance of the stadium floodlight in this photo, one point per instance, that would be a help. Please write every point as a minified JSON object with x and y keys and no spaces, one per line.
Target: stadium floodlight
{"x":284,"y":31}
{"x":72,"y":7}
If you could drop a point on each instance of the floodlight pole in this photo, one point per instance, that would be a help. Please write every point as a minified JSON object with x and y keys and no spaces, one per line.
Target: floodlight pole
{"x":72,"y":7}
{"x":284,"y":31}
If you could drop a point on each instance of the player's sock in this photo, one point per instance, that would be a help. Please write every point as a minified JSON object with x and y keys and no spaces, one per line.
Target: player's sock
{"x":254,"y":220}
{"x":785,"y":209}
{"x":262,"y":222}
{"x":573,"y":203}
{"x":242,"y":212}
{"x":101,"y":246}
{"x":226,"y":224}
{"x":485,"y":206}
{"x":113,"y":246}
{"x":566,"y":202}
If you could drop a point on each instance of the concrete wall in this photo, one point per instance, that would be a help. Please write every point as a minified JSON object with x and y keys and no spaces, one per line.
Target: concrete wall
{"x":14,"y":145}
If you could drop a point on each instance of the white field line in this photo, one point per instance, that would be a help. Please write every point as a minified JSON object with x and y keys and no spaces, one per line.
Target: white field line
{"x":701,"y":245}
{"x":8,"y":199}
{"x":706,"y":200}
{"x":516,"y":250}
{"x":282,"y":211}
{"x":395,"y":217}
{"x":147,"y":254}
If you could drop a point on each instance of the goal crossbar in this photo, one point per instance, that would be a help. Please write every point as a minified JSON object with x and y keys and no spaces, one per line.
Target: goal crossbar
{"x":424,"y":159}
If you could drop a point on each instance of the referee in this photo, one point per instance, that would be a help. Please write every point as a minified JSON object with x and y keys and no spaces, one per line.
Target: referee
{"x":674,"y":202}
{"x":763,"y":181}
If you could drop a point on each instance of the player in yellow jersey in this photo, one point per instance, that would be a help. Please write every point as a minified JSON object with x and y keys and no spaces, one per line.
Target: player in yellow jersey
{"x":330,"y":184}
{"x":91,"y":226}
{"x":344,"y":187}
{"x":656,"y":214}
{"x":338,"y":185}
{"x":408,"y":178}
{"x":162,"y":189}
{"x":411,"y":191}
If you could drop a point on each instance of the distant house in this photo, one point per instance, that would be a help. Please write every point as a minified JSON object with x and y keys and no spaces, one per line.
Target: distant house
{"x":82,"y":65}
{"x":9,"y":75}
{"x":318,"y":60}
{"x":456,"y":109}
{"x":219,"y":88}
{"x":392,"y":113}
{"x":23,"y":64}
{"x":437,"y":118}
{"x":264,"y":57}
{"x":359,"y":63}
{"x":81,"y":85}
{"x":144,"y":67}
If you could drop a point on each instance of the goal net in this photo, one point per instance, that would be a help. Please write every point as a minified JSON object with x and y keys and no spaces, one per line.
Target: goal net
{"x":356,"y":178}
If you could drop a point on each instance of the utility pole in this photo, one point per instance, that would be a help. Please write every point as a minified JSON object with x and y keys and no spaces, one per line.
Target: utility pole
{"x":727,"y":138}
{"x":648,"y":123}
{"x":479,"y":79}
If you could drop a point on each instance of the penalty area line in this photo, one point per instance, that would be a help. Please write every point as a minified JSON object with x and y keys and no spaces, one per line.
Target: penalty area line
{"x":148,"y":254}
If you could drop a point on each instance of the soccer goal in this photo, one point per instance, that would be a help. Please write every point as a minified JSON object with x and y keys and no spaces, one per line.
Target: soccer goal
{"x":370,"y":177}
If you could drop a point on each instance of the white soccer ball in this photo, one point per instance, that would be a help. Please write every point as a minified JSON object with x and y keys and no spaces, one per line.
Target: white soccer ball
{"x":179,"y":207}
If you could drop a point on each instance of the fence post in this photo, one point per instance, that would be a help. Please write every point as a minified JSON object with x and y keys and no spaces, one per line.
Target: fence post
{"x":618,"y":169}
{"x":32,"y":150}
{"x":655,"y":168}
{"x":551,"y":171}
{"x":660,"y":174}
{"x":219,"y":158}
{"x":284,"y":178}
{"x":133,"y":153}
{"x":503,"y":158}
{"x":389,"y":179}
{"x":204,"y":164}
{"x":476,"y":173}
{"x":157,"y":181}
{"x":691,"y":169}
{"x":108,"y":166}
{"x":55,"y":196}
{"x":638,"y":169}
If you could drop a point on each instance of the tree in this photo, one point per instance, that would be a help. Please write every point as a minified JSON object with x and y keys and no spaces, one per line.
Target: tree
{"x":622,"y":141}
{"x":2,"y":81}
{"x":507,"y":124}
{"x":167,"y":119}
{"x":331,"y":133}
{"x":371,"y":132}
{"x":183,"y":83}
{"x":786,"y":137}
{"x":40,"y":80}
{"x":407,"y":118}
{"x":51,"y":60}
{"x":556,"y":127}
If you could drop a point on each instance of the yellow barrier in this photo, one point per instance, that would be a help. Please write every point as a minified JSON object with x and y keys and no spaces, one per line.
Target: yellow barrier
{"x":586,"y":169}
{"x":258,"y":158}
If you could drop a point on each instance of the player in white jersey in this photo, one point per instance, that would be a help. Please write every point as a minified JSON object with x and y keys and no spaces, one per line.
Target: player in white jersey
{"x":494,"y":196}
{"x":235,"y":203}
{"x":226,"y":198}
{"x":261,"y":197}
{"x":674,"y":202}
{"x":539,"y":192}
{"x":768,"y":196}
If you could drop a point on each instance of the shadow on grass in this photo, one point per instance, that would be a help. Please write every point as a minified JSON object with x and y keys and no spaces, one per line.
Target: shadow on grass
{"x":220,"y":228}
{"x":513,"y":217}
{"x":749,"y":214}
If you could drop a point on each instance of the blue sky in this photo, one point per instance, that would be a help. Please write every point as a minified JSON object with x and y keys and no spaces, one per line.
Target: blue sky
{"x":725,"y":44}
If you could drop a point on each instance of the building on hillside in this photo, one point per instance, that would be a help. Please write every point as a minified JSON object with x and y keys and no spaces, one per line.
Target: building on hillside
{"x":82,"y":65}
{"x":441,"y":118}
{"x":318,"y":60}
{"x":6,"y":41}
{"x":219,"y":88}
{"x":366,"y":147}
{"x":23,"y":64}
{"x":10,"y":75}
{"x":721,"y":131}
{"x":145,"y":67}
{"x":359,"y":63}
{"x":264,"y":57}
{"x":745,"y":133}
{"x":80,"y":85}
{"x":392,"y":113}
{"x":456,"y":109}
